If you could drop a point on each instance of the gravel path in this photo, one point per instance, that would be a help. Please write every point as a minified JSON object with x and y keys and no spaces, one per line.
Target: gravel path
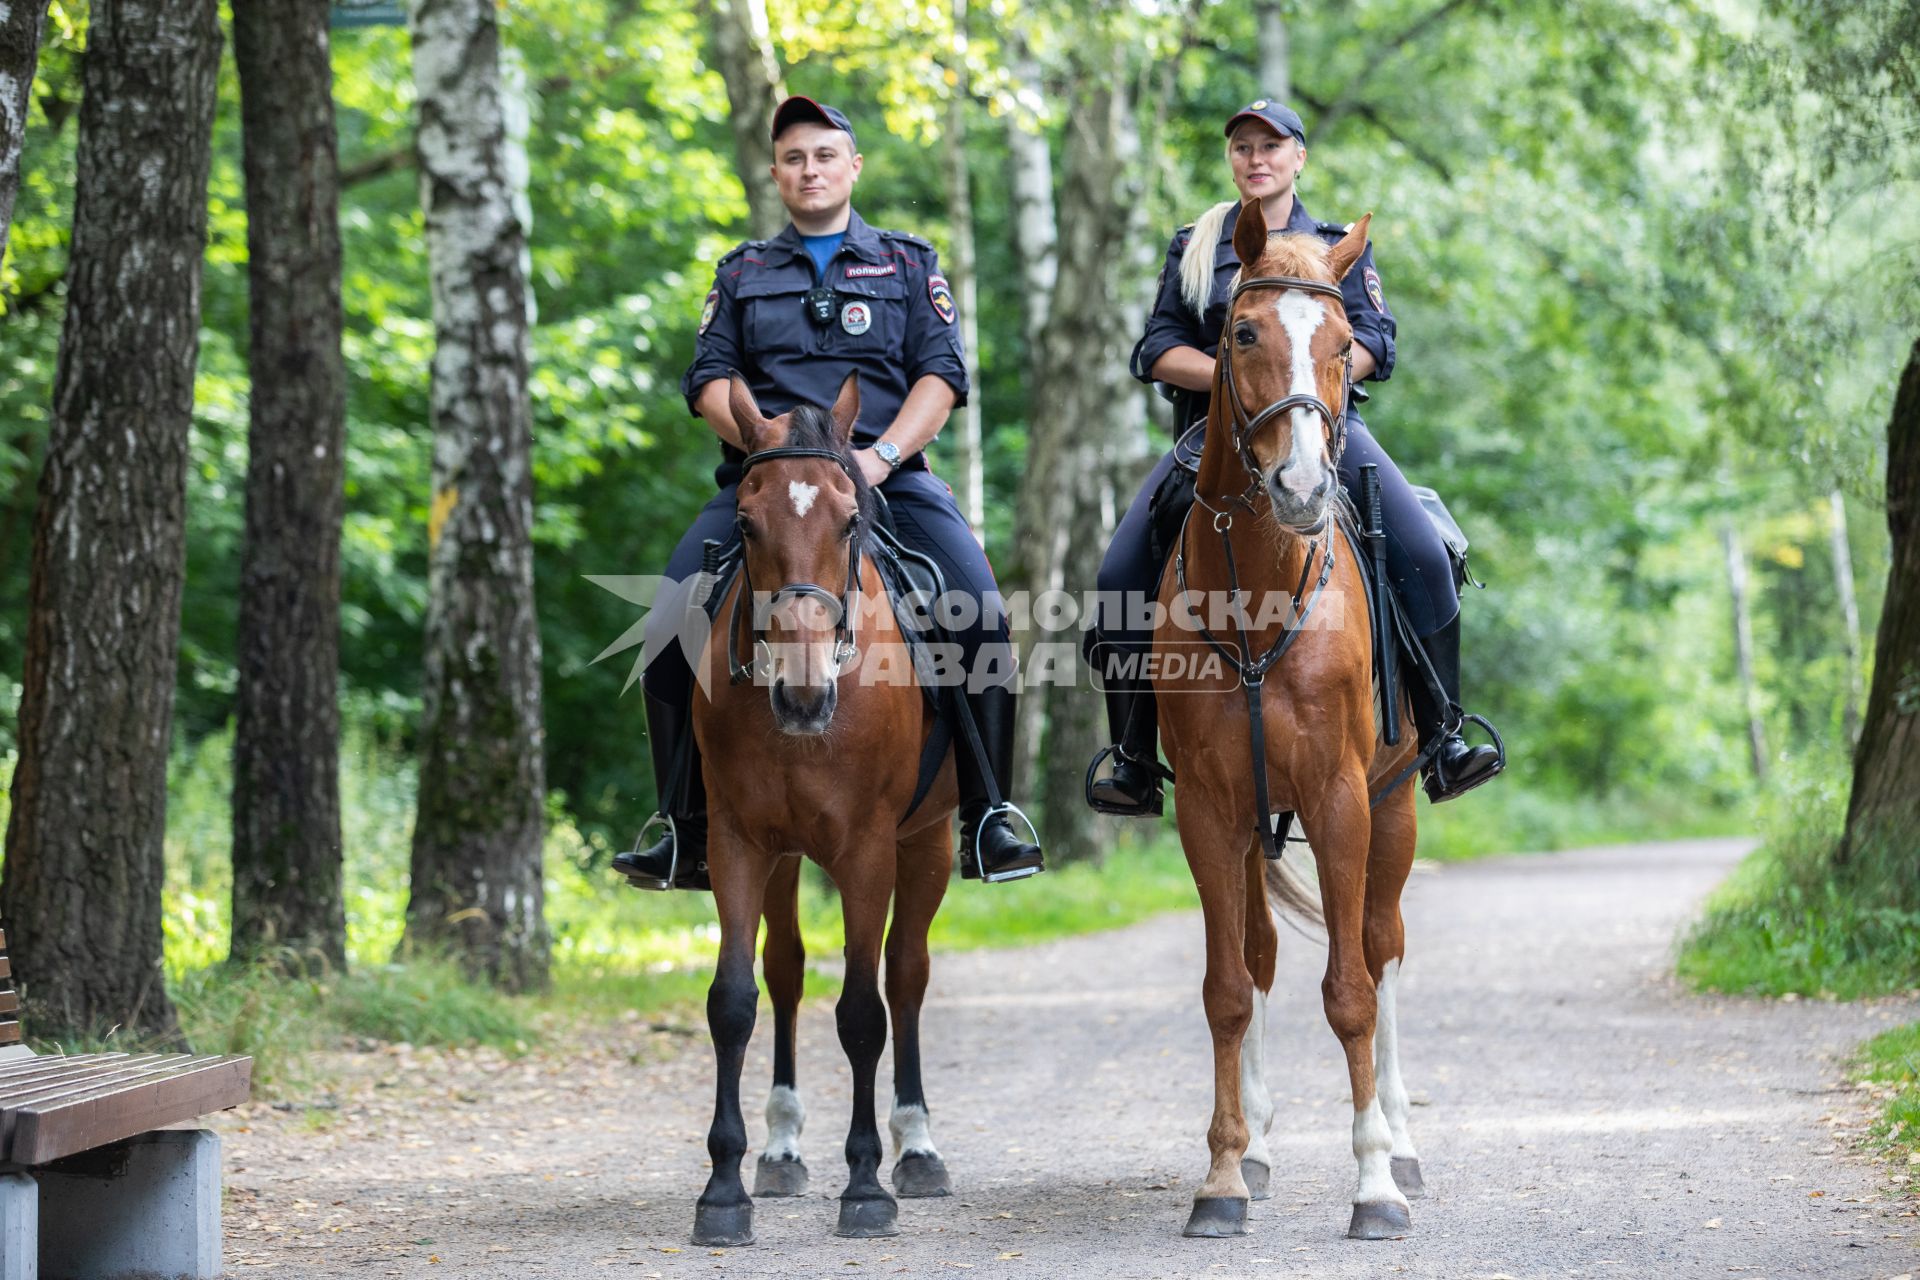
{"x":1577,"y":1114}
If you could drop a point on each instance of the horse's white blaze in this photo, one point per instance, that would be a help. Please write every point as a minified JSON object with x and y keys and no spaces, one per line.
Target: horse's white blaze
{"x":803,"y":496}
{"x":1372,"y":1147}
{"x":1386,"y":1063}
{"x":1256,"y":1101}
{"x":1301,"y":315}
{"x":786,"y":1117}
{"x":910,"y":1131}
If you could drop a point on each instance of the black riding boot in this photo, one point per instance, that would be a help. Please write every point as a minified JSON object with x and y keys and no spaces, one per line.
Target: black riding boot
{"x":1132,"y":788}
{"x":1456,"y":767}
{"x":988,"y":843}
{"x":683,"y":804}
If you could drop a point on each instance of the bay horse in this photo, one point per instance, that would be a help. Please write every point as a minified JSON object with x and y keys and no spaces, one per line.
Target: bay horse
{"x":804,"y":756}
{"x":1294,"y":694}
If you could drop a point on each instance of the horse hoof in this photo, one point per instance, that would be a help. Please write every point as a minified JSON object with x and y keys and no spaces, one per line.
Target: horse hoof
{"x":1381,"y":1220}
{"x":783,"y":1177}
{"x":921,"y":1175}
{"x":723,"y":1226}
{"x":1406,"y":1176}
{"x":1259,"y":1179}
{"x":1217,"y":1217}
{"x":868,"y":1219}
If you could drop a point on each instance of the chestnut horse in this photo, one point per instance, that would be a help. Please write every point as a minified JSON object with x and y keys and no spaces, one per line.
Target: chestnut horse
{"x":1263,"y":523}
{"x":807,"y":755}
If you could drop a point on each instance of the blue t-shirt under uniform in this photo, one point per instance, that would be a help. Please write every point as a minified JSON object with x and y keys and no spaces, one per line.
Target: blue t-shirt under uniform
{"x":821,"y":249}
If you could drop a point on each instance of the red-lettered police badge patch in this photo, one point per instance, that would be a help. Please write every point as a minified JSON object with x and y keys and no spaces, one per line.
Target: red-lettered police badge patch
{"x":1374,"y":291}
{"x":942,"y":297}
{"x":706,"y":312}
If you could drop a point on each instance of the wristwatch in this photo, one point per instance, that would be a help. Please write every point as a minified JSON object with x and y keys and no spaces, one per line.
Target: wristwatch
{"x":889,"y":453}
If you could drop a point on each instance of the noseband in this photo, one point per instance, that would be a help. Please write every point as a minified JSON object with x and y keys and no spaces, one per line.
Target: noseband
{"x":841,"y":606}
{"x":1245,"y":426}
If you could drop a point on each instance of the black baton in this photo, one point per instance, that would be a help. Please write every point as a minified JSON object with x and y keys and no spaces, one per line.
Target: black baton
{"x":1382,"y":604}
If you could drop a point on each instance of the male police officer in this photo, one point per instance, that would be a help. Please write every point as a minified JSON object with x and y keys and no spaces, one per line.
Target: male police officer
{"x":794,"y":315}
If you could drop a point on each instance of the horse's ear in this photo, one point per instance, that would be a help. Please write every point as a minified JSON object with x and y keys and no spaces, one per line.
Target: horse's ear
{"x":1351,"y":246}
{"x":745,"y":409}
{"x":1250,"y":234}
{"x":846,"y":408}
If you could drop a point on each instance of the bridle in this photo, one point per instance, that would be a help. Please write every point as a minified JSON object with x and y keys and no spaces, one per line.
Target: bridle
{"x":841,"y":606}
{"x":1253,"y":669}
{"x":1244,"y":425}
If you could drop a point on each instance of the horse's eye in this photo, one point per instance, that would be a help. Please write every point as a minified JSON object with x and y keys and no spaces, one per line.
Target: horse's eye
{"x":745,"y":526}
{"x":853,"y":527}
{"x":1244,"y":335}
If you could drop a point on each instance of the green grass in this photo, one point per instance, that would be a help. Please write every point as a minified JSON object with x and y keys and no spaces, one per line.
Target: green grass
{"x":1781,"y":924}
{"x":1504,"y":817}
{"x":618,"y":954}
{"x":1891,"y":1062}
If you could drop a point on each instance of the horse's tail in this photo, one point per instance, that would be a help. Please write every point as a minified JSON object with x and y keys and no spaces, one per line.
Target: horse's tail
{"x":1290,"y":892}
{"x":1196,"y":264}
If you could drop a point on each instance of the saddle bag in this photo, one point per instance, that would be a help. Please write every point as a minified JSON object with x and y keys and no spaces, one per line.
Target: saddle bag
{"x":1450,"y":533}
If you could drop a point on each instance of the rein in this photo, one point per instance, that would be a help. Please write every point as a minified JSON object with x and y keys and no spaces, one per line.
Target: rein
{"x":844,"y":648}
{"x":1253,"y":670}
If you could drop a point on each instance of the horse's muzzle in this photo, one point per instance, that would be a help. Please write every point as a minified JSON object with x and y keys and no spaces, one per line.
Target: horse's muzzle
{"x":1301,"y":514}
{"x":804,"y":711}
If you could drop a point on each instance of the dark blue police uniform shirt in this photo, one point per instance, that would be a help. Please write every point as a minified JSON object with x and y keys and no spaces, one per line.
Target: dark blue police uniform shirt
{"x":1172,"y":324}
{"x":893,"y":321}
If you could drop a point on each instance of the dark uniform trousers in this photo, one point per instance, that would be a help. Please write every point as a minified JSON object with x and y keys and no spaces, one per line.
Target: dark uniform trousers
{"x":1416,"y":557}
{"x":927,"y":520}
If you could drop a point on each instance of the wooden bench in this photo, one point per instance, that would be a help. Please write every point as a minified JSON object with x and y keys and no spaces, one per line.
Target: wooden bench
{"x":91,"y":1184}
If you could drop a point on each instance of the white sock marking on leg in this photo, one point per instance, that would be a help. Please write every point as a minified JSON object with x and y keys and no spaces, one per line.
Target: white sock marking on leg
{"x":911,"y":1134}
{"x":1372,"y":1144}
{"x":786,"y":1117}
{"x":1386,"y":1063}
{"x":1256,"y":1100}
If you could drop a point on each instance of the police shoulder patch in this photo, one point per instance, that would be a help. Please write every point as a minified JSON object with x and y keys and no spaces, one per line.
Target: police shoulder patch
{"x":941,"y":296}
{"x":711,"y":307}
{"x":1374,"y":291}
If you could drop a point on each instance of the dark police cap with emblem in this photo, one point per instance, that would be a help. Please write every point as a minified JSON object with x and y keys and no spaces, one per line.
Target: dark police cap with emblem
{"x":799,"y":110}
{"x":1277,"y":114}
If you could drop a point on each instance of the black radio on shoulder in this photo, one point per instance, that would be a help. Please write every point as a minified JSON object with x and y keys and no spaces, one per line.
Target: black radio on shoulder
{"x":819,"y":303}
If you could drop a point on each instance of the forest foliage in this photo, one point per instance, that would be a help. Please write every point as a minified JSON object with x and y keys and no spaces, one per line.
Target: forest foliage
{"x":1607,"y":353}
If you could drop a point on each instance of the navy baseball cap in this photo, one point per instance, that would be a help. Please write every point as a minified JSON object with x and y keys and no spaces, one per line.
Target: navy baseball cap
{"x":1284,"y":120}
{"x":797,"y":110}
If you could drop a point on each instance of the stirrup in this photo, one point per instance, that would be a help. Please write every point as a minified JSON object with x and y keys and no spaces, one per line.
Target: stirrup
{"x":639,"y":845}
{"x":1152,"y":807}
{"x":1007,"y":807}
{"x":1499,"y":759}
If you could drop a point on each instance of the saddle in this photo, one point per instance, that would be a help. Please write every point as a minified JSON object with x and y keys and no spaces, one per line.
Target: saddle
{"x":913,"y":583}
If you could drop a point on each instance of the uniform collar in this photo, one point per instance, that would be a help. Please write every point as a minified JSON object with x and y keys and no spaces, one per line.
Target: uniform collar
{"x":1298,"y":220}
{"x":862,"y":239}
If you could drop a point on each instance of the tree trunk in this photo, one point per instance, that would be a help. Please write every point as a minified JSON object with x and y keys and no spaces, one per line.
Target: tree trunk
{"x":969,"y":476}
{"x":286,"y":745}
{"x":1881,"y":848}
{"x":84,"y":858}
{"x":1032,"y":187}
{"x":20,"y":25}
{"x":1743,"y":649}
{"x":477,"y":885}
{"x":1088,"y":429}
{"x":743,"y":54}
{"x":1849,"y":613}
{"x":1276,"y":78}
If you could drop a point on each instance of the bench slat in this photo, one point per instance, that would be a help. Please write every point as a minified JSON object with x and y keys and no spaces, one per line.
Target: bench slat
{"x":83,"y":1076}
{"x":23,"y":1077}
{"x":112,"y":1112}
{"x":9,"y":1033}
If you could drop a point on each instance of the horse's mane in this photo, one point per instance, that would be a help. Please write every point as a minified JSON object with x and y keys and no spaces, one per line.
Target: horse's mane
{"x":1293,"y":255}
{"x":811,"y":427}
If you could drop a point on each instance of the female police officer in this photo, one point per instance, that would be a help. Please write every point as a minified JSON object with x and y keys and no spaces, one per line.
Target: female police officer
{"x":794,"y":315}
{"x":1266,"y":148}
